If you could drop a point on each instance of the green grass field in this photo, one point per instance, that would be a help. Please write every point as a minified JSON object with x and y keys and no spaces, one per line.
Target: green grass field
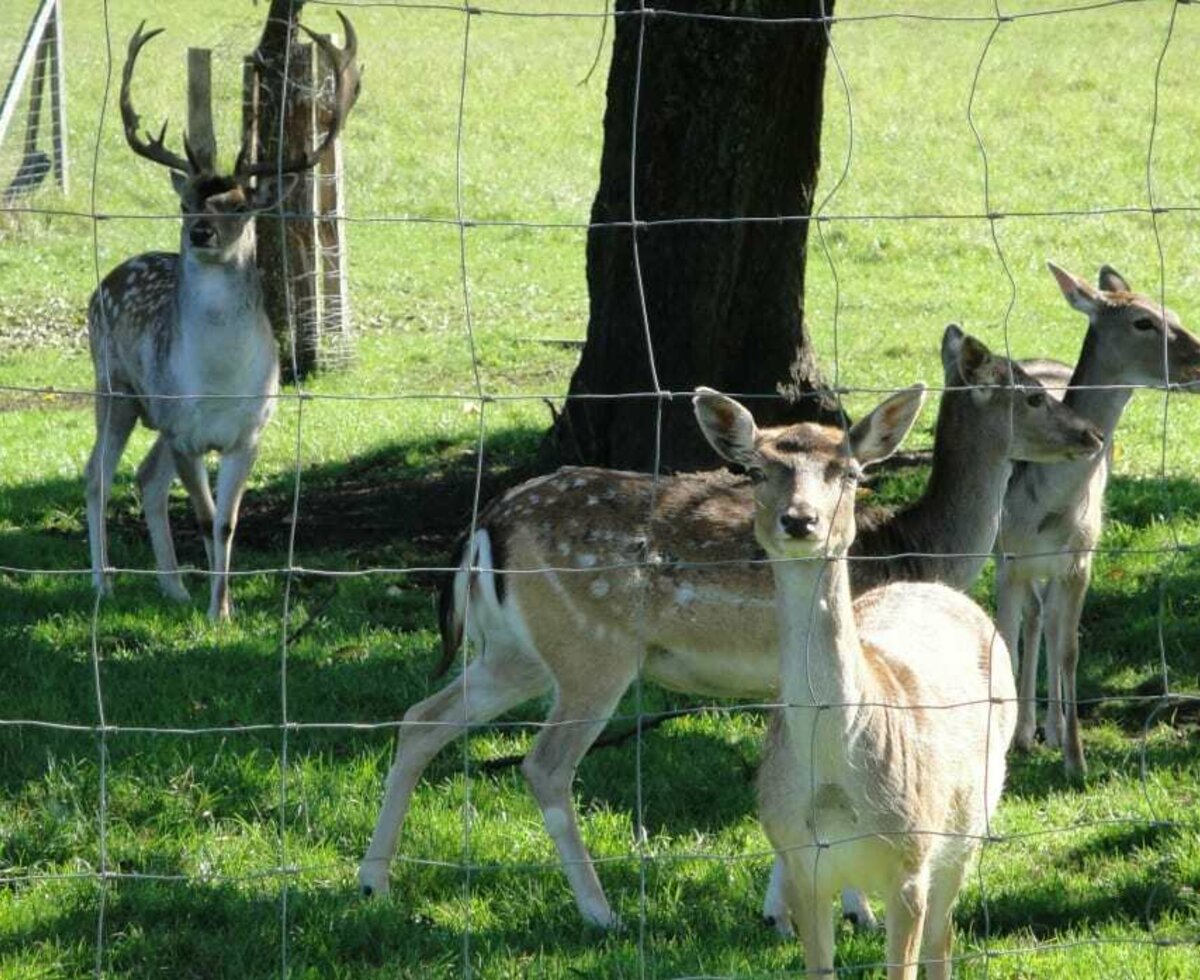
{"x":198,"y":821}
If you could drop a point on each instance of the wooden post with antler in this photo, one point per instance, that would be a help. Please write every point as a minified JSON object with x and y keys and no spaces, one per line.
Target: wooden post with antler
{"x":299,"y":251}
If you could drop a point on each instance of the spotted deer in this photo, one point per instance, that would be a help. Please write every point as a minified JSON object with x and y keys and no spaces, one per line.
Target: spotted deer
{"x":573,"y":590}
{"x":1053,"y":515}
{"x":181,"y":341}
{"x":885,"y":762}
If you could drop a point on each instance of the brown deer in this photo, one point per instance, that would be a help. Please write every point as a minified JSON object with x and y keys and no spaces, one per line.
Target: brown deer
{"x":1053,"y":515}
{"x":886,"y":760}
{"x":572,"y":591}
{"x":181,"y":341}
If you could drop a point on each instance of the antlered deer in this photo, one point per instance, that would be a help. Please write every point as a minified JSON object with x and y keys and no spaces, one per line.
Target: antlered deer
{"x":181,"y":341}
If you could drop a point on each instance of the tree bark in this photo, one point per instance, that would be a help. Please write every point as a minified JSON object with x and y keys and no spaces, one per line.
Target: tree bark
{"x":728,"y":126}
{"x":273,"y":66}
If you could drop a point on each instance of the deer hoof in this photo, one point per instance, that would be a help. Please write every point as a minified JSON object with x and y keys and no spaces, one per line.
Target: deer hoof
{"x":373,"y":879}
{"x":601,"y":917}
{"x":782,"y":924}
{"x":1025,"y":740}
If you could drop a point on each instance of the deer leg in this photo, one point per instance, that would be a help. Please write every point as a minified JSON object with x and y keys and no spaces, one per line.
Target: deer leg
{"x":488,"y":686}
{"x":1031,"y":644}
{"x":1011,"y":595}
{"x":855,"y":906}
{"x":906,"y":912}
{"x":578,"y":716}
{"x":194,"y":477}
{"x":231,"y":483}
{"x":1054,"y":664}
{"x":154,"y":477}
{"x":857,"y":909}
{"x":775,"y":908}
{"x":1063,"y":635}
{"x":809,"y":905}
{"x":937,"y":941}
{"x":115,"y":419}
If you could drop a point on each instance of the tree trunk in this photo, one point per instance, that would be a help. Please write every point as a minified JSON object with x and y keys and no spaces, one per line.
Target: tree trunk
{"x":728,"y":126}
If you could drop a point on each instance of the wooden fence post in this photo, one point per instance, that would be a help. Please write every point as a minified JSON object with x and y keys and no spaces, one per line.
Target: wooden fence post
{"x":336,"y":345}
{"x":308,"y":242}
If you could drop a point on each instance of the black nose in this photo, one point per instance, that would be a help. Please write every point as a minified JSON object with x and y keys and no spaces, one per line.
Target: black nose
{"x":799,"y":524}
{"x":203,"y":235}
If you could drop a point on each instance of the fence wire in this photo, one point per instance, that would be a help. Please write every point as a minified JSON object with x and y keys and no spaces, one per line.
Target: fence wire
{"x":981,"y":952}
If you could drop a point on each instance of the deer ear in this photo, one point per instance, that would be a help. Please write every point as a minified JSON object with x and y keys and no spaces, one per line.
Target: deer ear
{"x":179,"y":182}
{"x":878,"y":435}
{"x":728,"y":427}
{"x":1079,"y":293}
{"x":1111,"y":281}
{"x":975,"y":363}
{"x":952,"y":338}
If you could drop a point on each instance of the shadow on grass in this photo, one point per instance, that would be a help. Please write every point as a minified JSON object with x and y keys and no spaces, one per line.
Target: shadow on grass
{"x":406,"y":501}
{"x":405,"y":504}
{"x":1062,"y":896}
{"x":203,"y":930}
{"x":1039,"y":774}
{"x":365,"y":656}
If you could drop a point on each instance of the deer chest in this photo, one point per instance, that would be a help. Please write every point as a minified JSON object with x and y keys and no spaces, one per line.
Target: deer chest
{"x":225,"y":391}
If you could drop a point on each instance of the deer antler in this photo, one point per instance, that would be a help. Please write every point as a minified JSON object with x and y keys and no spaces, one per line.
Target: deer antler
{"x":152,"y":148}
{"x":346,"y":85}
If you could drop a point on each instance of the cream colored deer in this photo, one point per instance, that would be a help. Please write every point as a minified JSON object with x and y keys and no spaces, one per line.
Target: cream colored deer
{"x":573,"y":591}
{"x":886,"y":762}
{"x":181,"y":341}
{"x":1053,"y":514}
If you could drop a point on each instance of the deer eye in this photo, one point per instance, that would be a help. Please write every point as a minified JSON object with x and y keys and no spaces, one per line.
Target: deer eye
{"x":1145,"y":323}
{"x":1036,"y":400}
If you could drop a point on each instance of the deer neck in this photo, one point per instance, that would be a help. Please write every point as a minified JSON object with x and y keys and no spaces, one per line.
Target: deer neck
{"x":219,"y":293}
{"x":1089,"y":395}
{"x":821,"y":657}
{"x":1059,"y":487}
{"x":959,"y":513}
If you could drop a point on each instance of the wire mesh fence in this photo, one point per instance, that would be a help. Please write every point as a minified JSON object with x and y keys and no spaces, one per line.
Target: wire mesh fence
{"x":163,"y":767}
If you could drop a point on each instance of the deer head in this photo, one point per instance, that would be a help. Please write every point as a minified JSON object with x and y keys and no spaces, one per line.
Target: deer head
{"x":217,"y":207}
{"x":805,"y":475}
{"x":1138,"y":341}
{"x":1014,"y":409}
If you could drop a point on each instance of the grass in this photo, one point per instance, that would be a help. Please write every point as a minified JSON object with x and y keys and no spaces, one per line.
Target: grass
{"x":1098,"y":880}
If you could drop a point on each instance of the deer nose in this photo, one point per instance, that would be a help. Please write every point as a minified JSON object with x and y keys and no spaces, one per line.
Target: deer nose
{"x":799,"y":523}
{"x":202,"y":234}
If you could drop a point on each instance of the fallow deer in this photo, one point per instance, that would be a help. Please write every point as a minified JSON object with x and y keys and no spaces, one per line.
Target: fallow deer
{"x":181,"y":341}
{"x":575,"y":587}
{"x":1053,"y":514}
{"x":886,"y":759}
